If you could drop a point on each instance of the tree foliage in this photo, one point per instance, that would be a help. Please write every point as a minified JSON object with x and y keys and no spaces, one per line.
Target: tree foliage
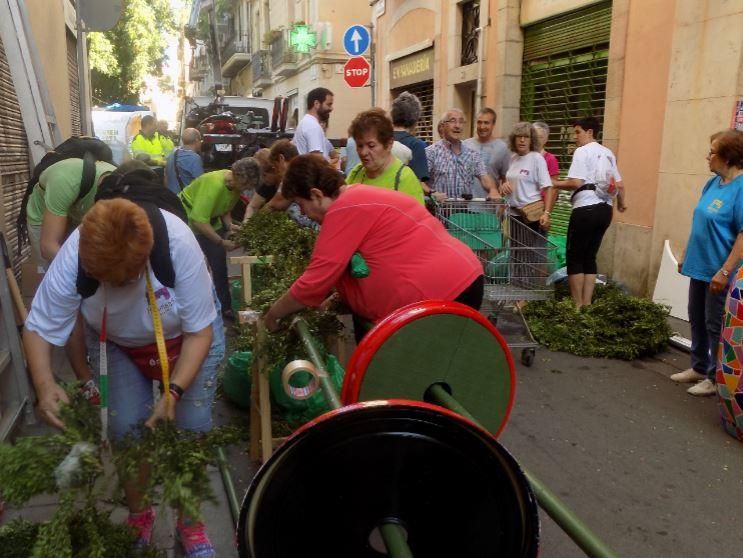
{"x":122,"y":57}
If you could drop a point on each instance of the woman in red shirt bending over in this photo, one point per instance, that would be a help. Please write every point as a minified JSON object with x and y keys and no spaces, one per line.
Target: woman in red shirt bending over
{"x":410,"y":255}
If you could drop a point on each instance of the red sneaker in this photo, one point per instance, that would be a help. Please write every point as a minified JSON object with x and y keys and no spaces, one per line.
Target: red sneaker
{"x":142,"y":523}
{"x":194,"y":540}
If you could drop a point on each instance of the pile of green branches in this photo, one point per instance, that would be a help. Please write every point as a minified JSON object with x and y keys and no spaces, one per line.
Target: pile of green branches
{"x":79,"y":526}
{"x":290,"y":245}
{"x":616,"y":325}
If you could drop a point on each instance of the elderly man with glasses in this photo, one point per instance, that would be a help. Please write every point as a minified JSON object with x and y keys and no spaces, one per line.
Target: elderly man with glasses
{"x":452,"y":166}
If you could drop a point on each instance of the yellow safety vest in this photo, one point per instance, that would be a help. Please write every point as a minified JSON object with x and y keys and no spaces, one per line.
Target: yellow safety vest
{"x":151,"y":147}
{"x":167,"y":143}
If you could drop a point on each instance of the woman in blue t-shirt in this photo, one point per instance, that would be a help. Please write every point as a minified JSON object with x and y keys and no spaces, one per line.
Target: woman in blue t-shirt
{"x":713,"y":253}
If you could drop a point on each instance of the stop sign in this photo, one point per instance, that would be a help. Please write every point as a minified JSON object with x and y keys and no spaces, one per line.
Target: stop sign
{"x":357,"y":71}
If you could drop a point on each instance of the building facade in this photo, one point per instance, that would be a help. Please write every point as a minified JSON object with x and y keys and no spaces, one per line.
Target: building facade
{"x":662,"y":76}
{"x":38,"y":74}
{"x":251,"y":38}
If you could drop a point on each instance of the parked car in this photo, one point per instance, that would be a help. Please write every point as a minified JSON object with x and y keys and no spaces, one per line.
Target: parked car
{"x":234,"y":127}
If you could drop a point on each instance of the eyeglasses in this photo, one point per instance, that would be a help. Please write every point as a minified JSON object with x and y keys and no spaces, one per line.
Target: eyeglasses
{"x":460,"y":121}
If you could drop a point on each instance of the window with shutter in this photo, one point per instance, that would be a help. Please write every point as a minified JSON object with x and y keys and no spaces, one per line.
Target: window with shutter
{"x":566,"y":59}
{"x":73,"y":78}
{"x":14,"y":163}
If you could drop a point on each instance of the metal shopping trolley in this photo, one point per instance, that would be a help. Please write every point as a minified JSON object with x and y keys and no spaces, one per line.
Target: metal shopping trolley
{"x":516,"y":260}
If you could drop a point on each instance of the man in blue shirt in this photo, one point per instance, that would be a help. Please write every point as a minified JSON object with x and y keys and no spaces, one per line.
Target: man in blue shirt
{"x":184,"y":164}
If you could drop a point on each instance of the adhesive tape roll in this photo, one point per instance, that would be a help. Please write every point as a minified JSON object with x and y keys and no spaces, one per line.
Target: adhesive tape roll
{"x":295,"y":367}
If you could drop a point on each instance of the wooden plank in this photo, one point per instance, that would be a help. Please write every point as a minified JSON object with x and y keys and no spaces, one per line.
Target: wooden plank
{"x":255,"y":416}
{"x":247,"y":284}
{"x":265,"y":413}
{"x":250,"y":259}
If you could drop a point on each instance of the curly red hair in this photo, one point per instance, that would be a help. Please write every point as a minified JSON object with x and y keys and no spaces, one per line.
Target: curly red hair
{"x":115,"y":241}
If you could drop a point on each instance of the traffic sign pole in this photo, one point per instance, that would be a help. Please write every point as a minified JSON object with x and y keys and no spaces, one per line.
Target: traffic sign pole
{"x":372,"y":55}
{"x":357,"y":39}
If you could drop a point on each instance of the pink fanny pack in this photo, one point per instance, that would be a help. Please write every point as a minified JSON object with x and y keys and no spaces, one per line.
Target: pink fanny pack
{"x":147,"y":359}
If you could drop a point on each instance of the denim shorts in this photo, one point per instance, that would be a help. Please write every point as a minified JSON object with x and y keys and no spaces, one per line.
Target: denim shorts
{"x":130,"y":393}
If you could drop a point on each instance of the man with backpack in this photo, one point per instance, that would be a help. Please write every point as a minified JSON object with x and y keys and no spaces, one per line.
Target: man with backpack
{"x":62,"y":188}
{"x":184,"y":164}
{"x":58,"y":204}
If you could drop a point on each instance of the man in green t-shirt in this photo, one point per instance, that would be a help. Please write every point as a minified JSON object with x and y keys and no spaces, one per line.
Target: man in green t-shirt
{"x":55,"y":207}
{"x":208,"y":201}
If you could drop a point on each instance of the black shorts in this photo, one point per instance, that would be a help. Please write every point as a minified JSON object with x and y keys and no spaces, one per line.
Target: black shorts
{"x":586,"y":230}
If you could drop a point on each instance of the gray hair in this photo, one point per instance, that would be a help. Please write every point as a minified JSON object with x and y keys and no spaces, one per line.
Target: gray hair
{"x":542,"y":126}
{"x":248,"y":172}
{"x":190,"y":136}
{"x":406,"y":110}
{"x":523,"y":129}
{"x":445,"y":115}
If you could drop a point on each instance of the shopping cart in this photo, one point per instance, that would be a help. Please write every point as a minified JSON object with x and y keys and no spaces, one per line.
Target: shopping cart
{"x":516,"y":260}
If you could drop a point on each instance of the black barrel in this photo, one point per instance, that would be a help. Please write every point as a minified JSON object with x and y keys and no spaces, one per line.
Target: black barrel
{"x":450,"y":485}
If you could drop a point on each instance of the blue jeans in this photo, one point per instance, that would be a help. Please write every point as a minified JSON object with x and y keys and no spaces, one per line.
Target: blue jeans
{"x":705,"y":317}
{"x":130,"y":398}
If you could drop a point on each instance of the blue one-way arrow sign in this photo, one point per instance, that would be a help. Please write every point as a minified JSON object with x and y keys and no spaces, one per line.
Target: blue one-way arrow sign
{"x":356,"y":40}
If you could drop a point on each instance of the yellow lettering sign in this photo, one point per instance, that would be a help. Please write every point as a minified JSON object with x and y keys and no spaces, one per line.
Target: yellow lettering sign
{"x":412,"y":67}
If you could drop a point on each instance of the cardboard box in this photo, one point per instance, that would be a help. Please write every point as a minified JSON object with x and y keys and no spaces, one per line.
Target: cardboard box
{"x":31,"y":276}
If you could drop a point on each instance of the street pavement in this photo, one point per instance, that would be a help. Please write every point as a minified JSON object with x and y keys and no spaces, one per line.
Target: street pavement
{"x":645,"y":465}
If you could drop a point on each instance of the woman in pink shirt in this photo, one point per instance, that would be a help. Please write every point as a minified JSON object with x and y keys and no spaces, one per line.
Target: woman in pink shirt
{"x":410,"y":255}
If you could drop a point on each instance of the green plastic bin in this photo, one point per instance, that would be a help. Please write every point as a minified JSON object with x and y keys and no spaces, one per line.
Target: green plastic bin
{"x":237,"y":378}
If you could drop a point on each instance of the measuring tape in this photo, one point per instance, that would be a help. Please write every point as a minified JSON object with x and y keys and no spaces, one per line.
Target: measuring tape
{"x":103,"y":373}
{"x":159,"y":339}
{"x":161,"y":351}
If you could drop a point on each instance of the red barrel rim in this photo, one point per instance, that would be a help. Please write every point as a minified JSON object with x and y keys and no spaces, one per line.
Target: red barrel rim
{"x":386,"y":328}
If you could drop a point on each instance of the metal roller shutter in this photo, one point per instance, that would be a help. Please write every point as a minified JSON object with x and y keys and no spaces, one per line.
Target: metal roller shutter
{"x":424,"y":92}
{"x":74,"y":80}
{"x":14,"y":162}
{"x":566,"y":59}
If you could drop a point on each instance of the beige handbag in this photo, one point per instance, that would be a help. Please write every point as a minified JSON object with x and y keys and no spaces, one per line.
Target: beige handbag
{"x":531,"y":212}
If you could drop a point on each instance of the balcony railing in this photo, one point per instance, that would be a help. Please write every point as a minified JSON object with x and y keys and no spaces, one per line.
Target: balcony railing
{"x":234,"y":47}
{"x":283,"y":58}
{"x":199,"y":68}
{"x":235,"y":56}
{"x":261,"y":68}
{"x":470,"y":32}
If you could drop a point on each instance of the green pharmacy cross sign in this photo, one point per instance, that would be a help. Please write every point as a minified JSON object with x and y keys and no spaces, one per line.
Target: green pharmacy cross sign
{"x":301,"y":39}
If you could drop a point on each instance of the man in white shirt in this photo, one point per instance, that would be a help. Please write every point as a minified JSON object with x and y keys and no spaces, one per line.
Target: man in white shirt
{"x":494,"y":152}
{"x":595,"y":181}
{"x":309,"y":136}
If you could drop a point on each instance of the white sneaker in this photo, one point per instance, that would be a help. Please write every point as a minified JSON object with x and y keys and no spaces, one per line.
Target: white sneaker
{"x":704,"y":388}
{"x":687,"y":376}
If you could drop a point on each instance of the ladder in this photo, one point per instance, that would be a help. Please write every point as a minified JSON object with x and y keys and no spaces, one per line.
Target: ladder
{"x":15,"y":392}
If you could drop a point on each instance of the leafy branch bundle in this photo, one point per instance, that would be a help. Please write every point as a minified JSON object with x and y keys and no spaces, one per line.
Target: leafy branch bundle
{"x":80,"y":527}
{"x":616,"y":325}
{"x":275,"y":234}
